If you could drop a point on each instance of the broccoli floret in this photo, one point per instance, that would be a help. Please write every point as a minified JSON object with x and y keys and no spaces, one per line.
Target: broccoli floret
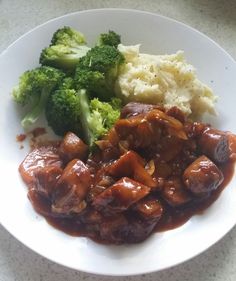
{"x":66,"y":49}
{"x":62,"y":56}
{"x":34,"y":89}
{"x":66,"y":83}
{"x":68,"y":36}
{"x":96,"y":117}
{"x":93,"y":81}
{"x":108,"y":112}
{"x":63,"y":111}
{"x":111,"y":38}
{"x":102,"y":58}
{"x":98,"y":70}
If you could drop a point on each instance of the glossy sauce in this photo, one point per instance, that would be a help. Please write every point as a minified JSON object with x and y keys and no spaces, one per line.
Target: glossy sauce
{"x":172,"y":218}
{"x":131,"y":186}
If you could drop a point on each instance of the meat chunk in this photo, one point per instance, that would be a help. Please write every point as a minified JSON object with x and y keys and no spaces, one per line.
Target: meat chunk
{"x":136,"y":108}
{"x":139,"y":229}
{"x":73,"y":147}
{"x":149,"y":208}
{"x":38,"y":158}
{"x":174,"y":193}
{"x":131,"y":165}
{"x":144,"y":130}
{"x":71,"y":189}
{"x":173,"y":126}
{"x":101,"y":182}
{"x":113,"y":229}
{"x":46,"y":179}
{"x":202,"y":176}
{"x":215,"y":145}
{"x":41,"y":204}
{"x":137,"y":131}
{"x":120,"y":196}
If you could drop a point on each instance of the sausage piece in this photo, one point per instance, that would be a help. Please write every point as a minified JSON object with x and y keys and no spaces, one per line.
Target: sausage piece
{"x":175,"y":193}
{"x":72,"y":147}
{"x":202,"y":176}
{"x":215,"y":145}
{"x":71,"y":189}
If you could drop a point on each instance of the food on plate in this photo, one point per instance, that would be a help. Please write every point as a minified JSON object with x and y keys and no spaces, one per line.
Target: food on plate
{"x":98,"y":70}
{"x":70,"y":110}
{"x":148,"y":173}
{"x":78,"y":98}
{"x":107,"y":71}
{"x":132,"y":160}
{"x":163,"y":79}
{"x":34,"y":89}
{"x":67,"y":47}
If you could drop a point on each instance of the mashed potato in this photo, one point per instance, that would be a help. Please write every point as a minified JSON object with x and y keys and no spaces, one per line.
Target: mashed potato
{"x":165,"y":79}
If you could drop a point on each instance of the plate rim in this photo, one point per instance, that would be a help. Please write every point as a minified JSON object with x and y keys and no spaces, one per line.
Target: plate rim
{"x":135,"y":11}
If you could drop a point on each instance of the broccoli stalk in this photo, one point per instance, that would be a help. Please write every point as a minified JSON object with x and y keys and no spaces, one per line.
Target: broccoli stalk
{"x":34,"y":89}
{"x":32,"y":116}
{"x":67,"y":47}
{"x":89,"y":136}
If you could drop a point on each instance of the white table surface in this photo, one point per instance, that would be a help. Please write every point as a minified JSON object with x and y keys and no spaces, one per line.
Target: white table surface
{"x":215,"y":18}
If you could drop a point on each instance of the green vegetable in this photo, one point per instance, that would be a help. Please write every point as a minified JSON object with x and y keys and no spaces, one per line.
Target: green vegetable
{"x":97,"y":117}
{"x":66,"y":83}
{"x":83,"y":101}
{"x":111,"y":38}
{"x":108,"y":112}
{"x":71,"y":110}
{"x":34,"y":89}
{"x":68,"y":36}
{"x":98,"y":70}
{"x":63,"y":112}
{"x":67,"y":47}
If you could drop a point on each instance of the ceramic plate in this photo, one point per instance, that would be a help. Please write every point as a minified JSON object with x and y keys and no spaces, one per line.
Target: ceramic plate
{"x":157,"y":35}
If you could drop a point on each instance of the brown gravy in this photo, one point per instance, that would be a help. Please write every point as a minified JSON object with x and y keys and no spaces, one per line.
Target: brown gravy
{"x":172,"y":218}
{"x":151,"y":173}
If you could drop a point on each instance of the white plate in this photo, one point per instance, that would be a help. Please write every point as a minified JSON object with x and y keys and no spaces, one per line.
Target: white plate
{"x":158,"y":35}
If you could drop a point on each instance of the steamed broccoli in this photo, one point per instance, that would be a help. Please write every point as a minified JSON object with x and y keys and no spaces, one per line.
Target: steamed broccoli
{"x":71,"y":102}
{"x":98,"y":70}
{"x":68,"y":36}
{"x":34,"y":89}
{"x":108,"y":112}
{"x":97,"y":117}
{"x":67,"y":47}
{"x":63,"y":112}
{"x":71,"y":110}
{"x":66,"y":83}
{"x":111,"y":38}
